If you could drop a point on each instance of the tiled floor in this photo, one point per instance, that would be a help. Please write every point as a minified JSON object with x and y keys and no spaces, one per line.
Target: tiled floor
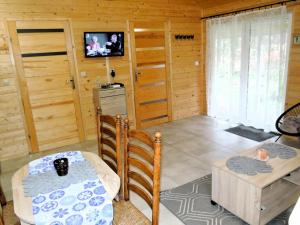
{"x":190,"y":146}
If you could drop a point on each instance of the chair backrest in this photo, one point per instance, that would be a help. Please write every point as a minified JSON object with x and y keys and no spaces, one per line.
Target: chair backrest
{"x":288,"y":123}
{"x":142,"y":167}
{"x":2,"y":196}
{"x":109,"y":140}
{"x":3,"y":202}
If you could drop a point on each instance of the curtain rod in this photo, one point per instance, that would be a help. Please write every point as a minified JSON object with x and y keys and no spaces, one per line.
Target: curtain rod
{"x":245,"y":10}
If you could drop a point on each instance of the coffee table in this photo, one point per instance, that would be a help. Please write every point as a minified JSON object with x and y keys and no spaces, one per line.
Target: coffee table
{"x":260,"y":198}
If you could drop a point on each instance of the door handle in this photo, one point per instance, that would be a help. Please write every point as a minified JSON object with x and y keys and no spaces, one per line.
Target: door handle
{"x":137,"y":75}
{"x":72,"y":81}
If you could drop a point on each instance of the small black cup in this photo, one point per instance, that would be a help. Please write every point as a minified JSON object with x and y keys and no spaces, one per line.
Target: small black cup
{"x":61,"y":166}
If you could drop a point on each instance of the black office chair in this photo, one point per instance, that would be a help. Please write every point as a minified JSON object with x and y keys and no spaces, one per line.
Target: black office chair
{"x":288,"y":122}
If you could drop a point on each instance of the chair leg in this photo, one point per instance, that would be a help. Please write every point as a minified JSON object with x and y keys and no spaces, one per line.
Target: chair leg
{"x":278,"y":137}
{"x":2,"y":197}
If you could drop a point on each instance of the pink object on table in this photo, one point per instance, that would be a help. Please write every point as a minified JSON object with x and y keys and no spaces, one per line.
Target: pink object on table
{"x":262,"y":154}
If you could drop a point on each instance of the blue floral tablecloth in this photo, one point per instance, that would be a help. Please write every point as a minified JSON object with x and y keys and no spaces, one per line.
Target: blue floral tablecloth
{"x":85,"y":203}
{"x":46,"y":163}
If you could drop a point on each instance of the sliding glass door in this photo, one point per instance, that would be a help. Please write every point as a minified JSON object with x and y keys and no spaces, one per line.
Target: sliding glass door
{"x":247,"y":58}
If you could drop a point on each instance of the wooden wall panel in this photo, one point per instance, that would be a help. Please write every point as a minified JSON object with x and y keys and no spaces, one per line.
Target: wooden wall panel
{"x":187,"y":78}
{"x":96,"y":15}
{"x":13,"y":141}
{"x":96,"y":70}
{"x":293,"y":83}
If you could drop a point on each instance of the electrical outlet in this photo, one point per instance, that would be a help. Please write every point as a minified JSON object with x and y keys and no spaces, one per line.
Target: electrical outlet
{"x":97,"y":81}
{"x":197,"y":63}
{"x":83,"y":74}
{"x":6,"y":82}
{"x":296,"y":39}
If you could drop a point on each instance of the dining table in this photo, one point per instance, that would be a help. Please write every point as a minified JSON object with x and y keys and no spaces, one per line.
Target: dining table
{"x":23,"y":204}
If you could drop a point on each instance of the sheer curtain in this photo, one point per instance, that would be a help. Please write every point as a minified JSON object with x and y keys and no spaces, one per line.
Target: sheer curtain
{"x":246,"y":66}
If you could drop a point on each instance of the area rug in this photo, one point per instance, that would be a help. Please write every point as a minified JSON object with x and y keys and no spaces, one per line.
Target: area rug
{"x":191,"y":204}
{"x":251,"y":133}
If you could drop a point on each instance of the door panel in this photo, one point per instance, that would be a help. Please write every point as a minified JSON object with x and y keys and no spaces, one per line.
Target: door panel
{"x":154,"y":110}
{"x":51,"y":97}
{"x":54,"y":122}
{"x":155,"y":121}
{"x":149,"y":39}
{"x":150,"y":62}
{"x":151,"y":93}
{"x":153,"y":75}
{"x":145,"y":57}
{"x":47,"y":83}
{"x":46,"y":65}
{"x":44,"y":61}
{"x":42,"y":42}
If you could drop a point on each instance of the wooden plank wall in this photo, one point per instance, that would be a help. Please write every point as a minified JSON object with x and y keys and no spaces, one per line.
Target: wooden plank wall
{"x":12,"y":131}
{"x":293,"y":84}
{"x":188,"y":79}
{"x":96,"y":15}
{"x":96,"y":70}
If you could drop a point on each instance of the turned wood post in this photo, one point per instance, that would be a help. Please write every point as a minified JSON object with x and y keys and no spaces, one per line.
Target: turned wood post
{"x":99,"y":133}
{"x":126,"y":191}
{"x":2,"y":197}
{"x":156,"y":179}
{"x":118,"y":151}
{"x":3,"y":202}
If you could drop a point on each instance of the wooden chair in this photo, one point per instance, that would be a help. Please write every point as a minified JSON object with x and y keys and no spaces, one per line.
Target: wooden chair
{"x":7,"y":215}
{"x":141,"y":159}
{"x":109,"y":141}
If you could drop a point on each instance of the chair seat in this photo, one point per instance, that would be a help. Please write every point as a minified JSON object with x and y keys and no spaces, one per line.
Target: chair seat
{"x":9,"y":216}
{"x":125,"y":213}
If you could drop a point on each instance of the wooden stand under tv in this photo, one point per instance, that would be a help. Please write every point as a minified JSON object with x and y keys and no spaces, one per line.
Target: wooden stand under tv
{"x":260,"y":198}
{"x":112,"y":101}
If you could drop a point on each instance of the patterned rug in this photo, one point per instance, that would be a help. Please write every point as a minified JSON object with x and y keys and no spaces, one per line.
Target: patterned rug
{"x":191,"y":204}
{"x":251,"y":133}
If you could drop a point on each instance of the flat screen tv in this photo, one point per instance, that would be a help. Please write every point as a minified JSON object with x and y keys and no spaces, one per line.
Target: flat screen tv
{"x":103,"y":44}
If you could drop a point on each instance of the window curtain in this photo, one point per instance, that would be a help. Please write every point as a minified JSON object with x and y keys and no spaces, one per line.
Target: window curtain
{"x":246,"y":66}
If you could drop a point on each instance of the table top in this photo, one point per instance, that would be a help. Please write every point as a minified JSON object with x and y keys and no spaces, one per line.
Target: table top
{"x":281,"y":167}
{"x":23,"y":205}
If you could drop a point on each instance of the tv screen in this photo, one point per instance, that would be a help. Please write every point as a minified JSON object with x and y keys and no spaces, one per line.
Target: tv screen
{"x":103,"y":44}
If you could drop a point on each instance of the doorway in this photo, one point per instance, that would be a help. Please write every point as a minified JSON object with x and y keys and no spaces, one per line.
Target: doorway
{"x":45,"y":65}
{"x":149,"y":46}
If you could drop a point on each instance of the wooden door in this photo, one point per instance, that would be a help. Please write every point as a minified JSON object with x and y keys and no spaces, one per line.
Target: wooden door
{"x":45,"y":66}
{"x":150,"y":63}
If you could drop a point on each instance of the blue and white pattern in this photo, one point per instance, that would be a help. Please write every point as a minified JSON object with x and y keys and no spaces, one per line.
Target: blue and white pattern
{"x":84,"y":203}
{"x":56,"y":194}
{"x":79,"y":172}
{"x":39,"y":199}
{"x":46,"y":163}
{"x":85,"y":195}
{"x":79,"y":206}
